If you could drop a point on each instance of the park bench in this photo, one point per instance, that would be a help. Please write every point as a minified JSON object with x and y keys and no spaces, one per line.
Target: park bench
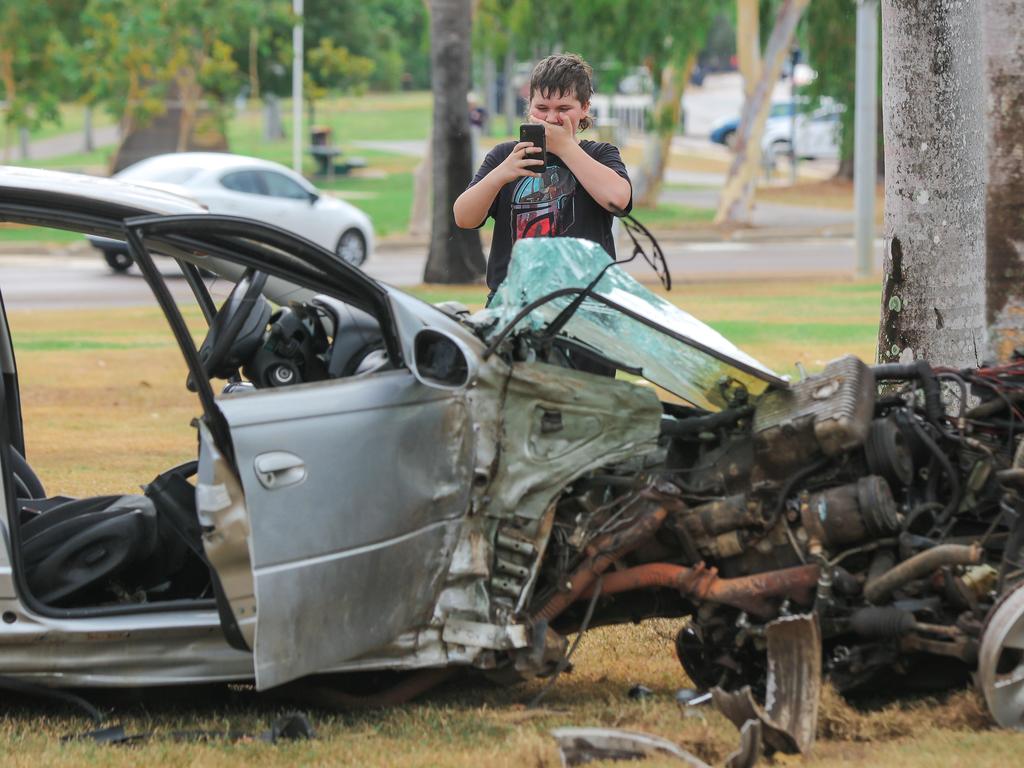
{"x":326,"y":155}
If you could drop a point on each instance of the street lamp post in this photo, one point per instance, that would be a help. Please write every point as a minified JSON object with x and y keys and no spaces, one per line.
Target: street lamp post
{"x":297,"y":87}
{"x":865,"y":133}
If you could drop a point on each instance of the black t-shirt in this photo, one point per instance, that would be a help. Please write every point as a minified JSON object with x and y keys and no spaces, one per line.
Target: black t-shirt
{"x":555,"y":205}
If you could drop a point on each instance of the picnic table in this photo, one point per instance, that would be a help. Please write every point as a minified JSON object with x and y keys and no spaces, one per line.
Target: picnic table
{"x":326,"y":154}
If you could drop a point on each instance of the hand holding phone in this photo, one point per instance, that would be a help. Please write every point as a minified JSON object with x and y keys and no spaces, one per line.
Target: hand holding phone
{"x":534,"y":133}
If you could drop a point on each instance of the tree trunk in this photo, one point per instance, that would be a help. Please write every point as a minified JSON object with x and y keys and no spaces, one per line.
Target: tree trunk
{"x":422,"y":178}
{"x":933,"y":294}
{"x":659,"y":143}
{"x":1004,"y":221}
{"x":456,"y":255}
{"x":490,"y":95}
{"x":11,"y":92}
{"x":88,"y":139}
{"x":254,"y":68}
{"x":738,"y":192}
{"x":748,"y":43}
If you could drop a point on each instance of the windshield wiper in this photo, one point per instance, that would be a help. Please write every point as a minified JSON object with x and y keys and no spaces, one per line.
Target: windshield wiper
{"x":656,"y":261}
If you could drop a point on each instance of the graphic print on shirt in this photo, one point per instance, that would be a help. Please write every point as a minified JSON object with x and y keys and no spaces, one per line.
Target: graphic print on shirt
{"x":543,"y":207}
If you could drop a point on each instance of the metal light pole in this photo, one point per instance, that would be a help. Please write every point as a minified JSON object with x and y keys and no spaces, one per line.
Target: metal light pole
{"x":865,"y":133}
{"x":297,"y":87}
{"x":794,"y":59}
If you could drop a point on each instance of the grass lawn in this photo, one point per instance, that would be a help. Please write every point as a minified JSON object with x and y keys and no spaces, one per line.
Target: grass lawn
{"x":118,"y":412}
{"x":383,"y":189}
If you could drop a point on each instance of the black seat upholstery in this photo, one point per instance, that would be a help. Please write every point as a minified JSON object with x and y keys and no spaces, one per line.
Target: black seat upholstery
{"x":79,"y":545}
{"x":355,"y":335}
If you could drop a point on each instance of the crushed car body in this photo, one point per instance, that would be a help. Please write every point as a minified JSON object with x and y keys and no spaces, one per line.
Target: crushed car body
{"x":384,"y":484}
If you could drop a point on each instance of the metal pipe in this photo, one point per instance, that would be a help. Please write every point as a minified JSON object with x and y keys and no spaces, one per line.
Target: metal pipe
{"x":865,"y":134}
{"x":921,"y":564}
{"x":297,"y":72}
{"x":753,"y":594}
{"x":600,"y":556}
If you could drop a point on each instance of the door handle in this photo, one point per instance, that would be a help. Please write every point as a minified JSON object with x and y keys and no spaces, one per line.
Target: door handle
{"x":278,"y":469}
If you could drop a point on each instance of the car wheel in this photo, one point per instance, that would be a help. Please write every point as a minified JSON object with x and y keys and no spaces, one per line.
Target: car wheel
{"x":352,"y":247}
{"x":119,"y":261}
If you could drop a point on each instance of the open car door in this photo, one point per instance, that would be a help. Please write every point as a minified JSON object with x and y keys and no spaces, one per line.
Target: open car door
{"x":330,"y":508}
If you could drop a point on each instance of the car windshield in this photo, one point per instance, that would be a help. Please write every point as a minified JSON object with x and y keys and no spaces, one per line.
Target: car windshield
{"x":626,"y":323}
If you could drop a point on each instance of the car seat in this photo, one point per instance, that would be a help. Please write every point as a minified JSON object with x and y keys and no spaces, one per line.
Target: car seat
{"x":76,"y":546}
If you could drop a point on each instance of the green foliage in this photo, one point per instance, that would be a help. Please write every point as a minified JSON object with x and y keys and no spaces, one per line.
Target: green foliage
{"x":336,"y":68}
{"x":831,"y":32}
{"x":33,"y":58}
{"x":389,"y":32}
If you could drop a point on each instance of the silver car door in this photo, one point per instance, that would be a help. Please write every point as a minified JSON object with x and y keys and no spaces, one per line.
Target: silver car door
{"x":355,"y":489}
{"x":329,"y":508}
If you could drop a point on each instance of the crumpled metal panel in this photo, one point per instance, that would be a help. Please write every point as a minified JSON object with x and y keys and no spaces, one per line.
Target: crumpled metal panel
{"x":681,"y":353}
{"x":790,"y":714}
{"x":558,"y":423}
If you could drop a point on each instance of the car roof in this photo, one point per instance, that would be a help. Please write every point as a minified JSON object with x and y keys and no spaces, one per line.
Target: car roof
{"x":207,"y":161}
{"x":93,"y":194}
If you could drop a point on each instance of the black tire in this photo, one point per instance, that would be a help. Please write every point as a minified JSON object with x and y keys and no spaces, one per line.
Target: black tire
{"x":351,"y":247}
{"x":119,"y":261}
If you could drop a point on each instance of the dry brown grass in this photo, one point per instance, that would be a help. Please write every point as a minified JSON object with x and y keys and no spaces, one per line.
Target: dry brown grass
{"x":105,"y":409}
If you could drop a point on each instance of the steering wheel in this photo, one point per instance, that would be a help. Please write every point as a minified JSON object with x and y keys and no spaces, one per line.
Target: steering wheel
{"x":244,"y":309}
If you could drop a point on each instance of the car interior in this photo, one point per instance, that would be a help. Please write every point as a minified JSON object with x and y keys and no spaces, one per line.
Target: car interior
{"x":145,"y":549}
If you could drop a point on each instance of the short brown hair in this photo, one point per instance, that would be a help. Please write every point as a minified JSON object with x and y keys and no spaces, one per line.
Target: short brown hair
{"x":564,"y":74}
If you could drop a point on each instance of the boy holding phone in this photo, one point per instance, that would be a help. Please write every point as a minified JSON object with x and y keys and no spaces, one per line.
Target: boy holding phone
{"x":571,"y":193}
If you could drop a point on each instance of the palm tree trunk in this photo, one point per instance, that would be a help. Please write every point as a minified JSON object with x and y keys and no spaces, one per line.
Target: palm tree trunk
{"x":456,"y":255}
{"x":933,"y":294}
{"x":659,"y":143}
{"x":738,"y":193}
{"x":1004,"y":223}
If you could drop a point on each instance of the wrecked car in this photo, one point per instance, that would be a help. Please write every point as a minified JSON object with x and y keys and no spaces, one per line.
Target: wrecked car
{"x":382,"y":484}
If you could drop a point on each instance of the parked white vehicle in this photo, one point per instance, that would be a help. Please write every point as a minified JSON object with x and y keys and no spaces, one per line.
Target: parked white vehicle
{"x":254,"y":188}
{"x":817,"y":135}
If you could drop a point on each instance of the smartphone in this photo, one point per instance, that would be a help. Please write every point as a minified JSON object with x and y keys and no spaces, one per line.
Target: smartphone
{"x":534,"y":134}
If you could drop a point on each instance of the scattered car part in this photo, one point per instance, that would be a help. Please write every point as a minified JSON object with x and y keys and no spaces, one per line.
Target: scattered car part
{"x":578,"y":746}
{"x":789,"y":717}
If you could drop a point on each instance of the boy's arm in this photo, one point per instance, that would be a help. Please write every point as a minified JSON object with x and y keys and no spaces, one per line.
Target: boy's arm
{"x":473,"y":205}
{"x":608,"y":188}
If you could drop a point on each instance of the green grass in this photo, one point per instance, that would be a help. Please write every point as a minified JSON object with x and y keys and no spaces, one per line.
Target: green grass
{"x":384,"y":189}
{"x":18,"y":234}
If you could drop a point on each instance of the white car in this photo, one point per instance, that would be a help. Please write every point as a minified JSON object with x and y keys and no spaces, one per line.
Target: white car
{"x":817,"y":135}
{"x":254,"y":188}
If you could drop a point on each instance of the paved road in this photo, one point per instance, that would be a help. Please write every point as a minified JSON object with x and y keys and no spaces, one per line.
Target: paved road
{"x":60,"y":281}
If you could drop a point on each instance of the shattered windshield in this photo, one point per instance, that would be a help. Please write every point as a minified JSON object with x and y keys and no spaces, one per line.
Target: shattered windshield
{"x":625,"y":323}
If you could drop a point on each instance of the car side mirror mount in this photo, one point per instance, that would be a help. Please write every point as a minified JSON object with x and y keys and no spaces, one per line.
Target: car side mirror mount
{"x":442,"y":361}
{"x":313,"y":197}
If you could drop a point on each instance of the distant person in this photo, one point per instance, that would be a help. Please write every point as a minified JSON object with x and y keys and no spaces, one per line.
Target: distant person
{"x":477,"y":124}
{"x":574,"y":196}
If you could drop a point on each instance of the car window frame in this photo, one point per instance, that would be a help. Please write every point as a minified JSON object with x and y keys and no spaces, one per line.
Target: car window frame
{"x":231,"y":238}
{"x":267,"y":173}
{"x":254,"y":172}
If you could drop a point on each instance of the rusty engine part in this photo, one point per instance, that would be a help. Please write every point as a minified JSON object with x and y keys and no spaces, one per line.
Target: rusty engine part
{"x":894,"y":525}
{"x":758,"y":594}
{"x":601,"y":554}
